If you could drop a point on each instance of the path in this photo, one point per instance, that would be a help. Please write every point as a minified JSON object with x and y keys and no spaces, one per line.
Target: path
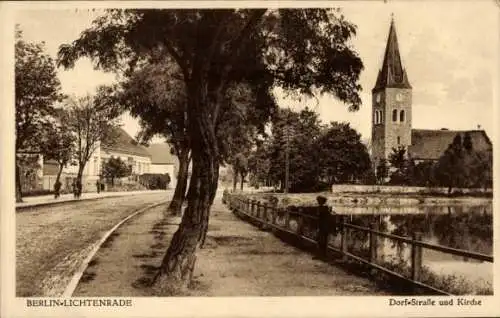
{"x":237,"y":260}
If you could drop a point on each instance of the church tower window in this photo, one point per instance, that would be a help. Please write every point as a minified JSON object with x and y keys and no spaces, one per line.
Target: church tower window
{"x":402,"y":116}
{"x":399,"y":140}
{"x":395,"y":115}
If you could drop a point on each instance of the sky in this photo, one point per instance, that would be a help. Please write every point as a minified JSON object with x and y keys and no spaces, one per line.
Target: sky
{"x":449,"y":50}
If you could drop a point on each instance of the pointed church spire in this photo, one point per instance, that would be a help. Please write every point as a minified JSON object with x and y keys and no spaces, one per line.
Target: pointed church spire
{"x":392,"y":73}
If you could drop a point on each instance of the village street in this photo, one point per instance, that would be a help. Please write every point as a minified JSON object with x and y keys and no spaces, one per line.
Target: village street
{"x":52,"y":241}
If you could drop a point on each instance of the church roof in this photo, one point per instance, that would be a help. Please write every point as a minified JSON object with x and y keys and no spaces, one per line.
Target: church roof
{"x":123,"y":143}
{"x":431,"y":144}
{"x":160,"y":154}
{"x":392,"y":73}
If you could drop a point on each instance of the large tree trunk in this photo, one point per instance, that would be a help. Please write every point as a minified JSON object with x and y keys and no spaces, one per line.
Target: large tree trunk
{"x":242,"y":176}
{"x":79,"y":178}
{"x":19,"y":193}
{"x":235,"y":180}
{"x":175,"y":207}
{"x":178,"y":263}
{"x":58,"y":177}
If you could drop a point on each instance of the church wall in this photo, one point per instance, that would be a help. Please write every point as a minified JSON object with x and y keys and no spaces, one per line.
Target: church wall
{"x":393,"y":130}
{"x":378,"y":129}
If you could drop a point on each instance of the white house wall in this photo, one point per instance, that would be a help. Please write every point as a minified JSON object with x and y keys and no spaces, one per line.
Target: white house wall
{"x":140,"y":165}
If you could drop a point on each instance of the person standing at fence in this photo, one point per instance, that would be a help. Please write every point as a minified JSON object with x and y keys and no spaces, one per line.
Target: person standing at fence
{"x":324,"y":223}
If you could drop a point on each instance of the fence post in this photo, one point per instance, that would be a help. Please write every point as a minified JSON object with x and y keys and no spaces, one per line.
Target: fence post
{"x":416,"y":257}
{"x":257,"y":209}
{"x":373,"y":243}
{"x":300,"y":223}
{"x":274,"y":214}
{"x":343,"y":242}
{"x":247,"y":206}
{"x":264,"y":212}
{"x":287,"y":218}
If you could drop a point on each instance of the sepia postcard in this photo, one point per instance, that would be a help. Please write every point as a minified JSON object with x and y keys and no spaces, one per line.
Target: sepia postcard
{"x":249,"y":158}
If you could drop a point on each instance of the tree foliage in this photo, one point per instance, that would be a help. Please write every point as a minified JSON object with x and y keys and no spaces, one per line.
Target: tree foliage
{"x":92,"y":118}
{"x":115,"y":168}
{"x":382,"y":170}
{"x":318,"y":154}
{"x":463,"y":166}
{"x":58,"y":142}
{"x":305,"y":50}
{"x":402,"y":167}
{"x":240,"y":169}
{"x":342,"y":157}
{"x":37,"y":88}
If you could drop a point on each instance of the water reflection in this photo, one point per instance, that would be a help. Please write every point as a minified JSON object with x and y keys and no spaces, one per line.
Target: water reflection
{"x":463,"y":227}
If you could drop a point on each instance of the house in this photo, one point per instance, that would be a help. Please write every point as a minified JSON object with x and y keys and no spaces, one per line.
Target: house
{"x":392,"y":115}
{"x":122,"y":146}
{"x":163,"y":161}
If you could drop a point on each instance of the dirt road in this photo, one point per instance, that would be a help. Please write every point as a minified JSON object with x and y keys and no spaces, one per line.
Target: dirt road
{"x":52,"y":241}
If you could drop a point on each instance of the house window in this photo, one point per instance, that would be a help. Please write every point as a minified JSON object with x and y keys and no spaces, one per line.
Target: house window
{"x":394,"y":115}
{"x":381,"y":116}
{"x":402,"y":116}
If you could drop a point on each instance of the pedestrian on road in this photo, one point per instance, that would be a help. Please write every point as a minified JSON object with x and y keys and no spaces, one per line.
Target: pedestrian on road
{"x":98,"y":185}
{"x":324,"y":225}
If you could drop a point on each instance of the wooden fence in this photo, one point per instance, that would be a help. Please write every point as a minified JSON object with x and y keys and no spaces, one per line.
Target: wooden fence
{"x":302,"y":224}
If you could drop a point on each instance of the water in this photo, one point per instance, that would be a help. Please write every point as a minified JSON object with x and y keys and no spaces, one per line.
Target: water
{"x":462,"y":227}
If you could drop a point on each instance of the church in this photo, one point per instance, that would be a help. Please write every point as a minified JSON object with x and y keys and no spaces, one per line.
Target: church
{"x":392,"y":115}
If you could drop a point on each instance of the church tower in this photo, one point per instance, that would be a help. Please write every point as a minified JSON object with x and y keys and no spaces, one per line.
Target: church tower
{"x":391,"y":103}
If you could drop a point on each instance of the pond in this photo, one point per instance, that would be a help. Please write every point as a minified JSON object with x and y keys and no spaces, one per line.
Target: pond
{"x":458,"y":226}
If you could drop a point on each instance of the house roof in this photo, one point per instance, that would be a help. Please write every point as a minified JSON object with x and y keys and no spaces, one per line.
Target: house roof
{"x":431,"y":144}
{"x":160,"y":154}
{"x":123,"y":143}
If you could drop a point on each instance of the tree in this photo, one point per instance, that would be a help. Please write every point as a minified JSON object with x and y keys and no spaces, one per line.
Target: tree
{"x":92,"y":119}
{"x":450,"y":170}
{"x":463,"y":166}
{"x":382,"y":170}
{"x":36,"y":90}
{"x":115,"y":168}
{"x":58,"y":143}
{"x":155,"y":93}
{"x":483,"y":170}
{"x":259,"y":163}
{"x":305,"y":50}
{"x":341,"y":155}
{"x":295,"y":133}
{"x":423,"y":174}
{"x":403,"y":166}
{"x":240,"y":169}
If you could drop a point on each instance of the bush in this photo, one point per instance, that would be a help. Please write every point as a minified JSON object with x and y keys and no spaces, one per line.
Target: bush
{"x":34,"y":193}
{"x":125,"y":187}
{"x":154,"y":181}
